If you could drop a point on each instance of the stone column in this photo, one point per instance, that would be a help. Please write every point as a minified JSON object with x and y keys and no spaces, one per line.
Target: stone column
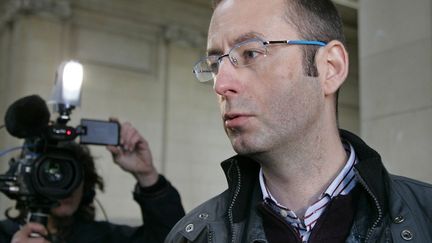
{"x":31,"y":37}
{"x":396,"y":83}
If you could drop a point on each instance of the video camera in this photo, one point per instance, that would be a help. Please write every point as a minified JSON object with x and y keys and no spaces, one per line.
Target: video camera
{"x":46,"y":171}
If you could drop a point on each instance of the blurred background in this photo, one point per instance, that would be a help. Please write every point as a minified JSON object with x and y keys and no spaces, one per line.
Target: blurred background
{"x":138,"y":56}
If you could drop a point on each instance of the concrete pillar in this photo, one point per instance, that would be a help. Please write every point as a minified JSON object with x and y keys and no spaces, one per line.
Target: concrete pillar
{"x":396,"y":83}
{"x":30,"y":49}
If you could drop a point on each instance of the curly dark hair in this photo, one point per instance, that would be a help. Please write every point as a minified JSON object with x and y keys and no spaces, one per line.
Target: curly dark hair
{"x":92,"y":181}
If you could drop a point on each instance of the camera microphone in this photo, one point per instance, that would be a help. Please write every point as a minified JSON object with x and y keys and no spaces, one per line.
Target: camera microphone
{"x":27,"y":117}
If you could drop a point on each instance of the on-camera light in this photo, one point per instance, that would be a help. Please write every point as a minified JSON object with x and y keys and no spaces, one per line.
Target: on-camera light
{"x":72,"y":78}
{"x":67,"y":89}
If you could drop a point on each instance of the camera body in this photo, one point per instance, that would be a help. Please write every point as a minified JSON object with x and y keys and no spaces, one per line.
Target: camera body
{"x":47,"y":170}
{"x":42,"y":175}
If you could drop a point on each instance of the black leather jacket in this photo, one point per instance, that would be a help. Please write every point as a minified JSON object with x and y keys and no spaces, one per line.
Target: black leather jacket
{"x":160,"y":206}
{"x":390,"y":209}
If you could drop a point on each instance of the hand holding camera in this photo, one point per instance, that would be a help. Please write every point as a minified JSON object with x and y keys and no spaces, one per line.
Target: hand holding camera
{"x":24,"y":234}
{"x":133,"y":155}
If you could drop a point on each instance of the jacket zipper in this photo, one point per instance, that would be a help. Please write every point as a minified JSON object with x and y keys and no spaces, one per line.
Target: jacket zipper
{"x":236,"y":192}
{"x":210,"y":237}
{"x":369,"y":233}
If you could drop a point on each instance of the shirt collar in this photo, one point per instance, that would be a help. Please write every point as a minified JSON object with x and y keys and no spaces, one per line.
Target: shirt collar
{"x":342,"y":184}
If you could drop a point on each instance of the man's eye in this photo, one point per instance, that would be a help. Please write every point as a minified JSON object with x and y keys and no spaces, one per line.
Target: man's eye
{"x":249,"y":56}
{"x":214,"y":66}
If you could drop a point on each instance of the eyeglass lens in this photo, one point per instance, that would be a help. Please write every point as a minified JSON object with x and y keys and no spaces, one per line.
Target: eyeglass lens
{"x":243,"y":54}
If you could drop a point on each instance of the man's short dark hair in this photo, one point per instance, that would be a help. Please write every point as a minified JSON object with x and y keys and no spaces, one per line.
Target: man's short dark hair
{"x":314,"y":20}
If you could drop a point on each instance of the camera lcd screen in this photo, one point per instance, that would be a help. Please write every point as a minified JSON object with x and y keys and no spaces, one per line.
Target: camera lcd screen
{"x":100,"y":132}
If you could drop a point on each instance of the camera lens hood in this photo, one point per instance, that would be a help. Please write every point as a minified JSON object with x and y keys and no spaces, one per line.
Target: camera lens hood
{"x":56,"y":174}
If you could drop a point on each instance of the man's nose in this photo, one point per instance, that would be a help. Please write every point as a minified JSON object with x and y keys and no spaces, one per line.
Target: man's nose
{"x":226,"y":81}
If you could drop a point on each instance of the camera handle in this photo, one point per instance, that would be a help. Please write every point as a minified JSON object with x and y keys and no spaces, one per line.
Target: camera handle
{"x":41,"y":217}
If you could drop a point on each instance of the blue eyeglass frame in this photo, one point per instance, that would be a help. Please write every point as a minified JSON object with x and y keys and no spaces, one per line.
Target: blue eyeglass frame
{"x":297,"y":42}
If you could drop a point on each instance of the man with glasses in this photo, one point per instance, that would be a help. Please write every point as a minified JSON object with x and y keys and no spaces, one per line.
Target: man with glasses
{"x":276,"y":67}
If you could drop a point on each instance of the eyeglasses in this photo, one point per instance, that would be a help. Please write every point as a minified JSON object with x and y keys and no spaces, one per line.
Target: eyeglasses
{"x":241,"y":55}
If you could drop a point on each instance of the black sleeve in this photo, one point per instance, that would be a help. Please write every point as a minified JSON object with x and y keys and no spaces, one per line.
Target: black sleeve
{"x":7,"y":229}
{"x":160,"y":206}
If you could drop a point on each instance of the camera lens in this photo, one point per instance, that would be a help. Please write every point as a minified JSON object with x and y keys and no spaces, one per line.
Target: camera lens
{"x":56,"y":174}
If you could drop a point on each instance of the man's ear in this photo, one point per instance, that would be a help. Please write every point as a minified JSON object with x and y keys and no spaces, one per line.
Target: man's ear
{"x":332,"y":63}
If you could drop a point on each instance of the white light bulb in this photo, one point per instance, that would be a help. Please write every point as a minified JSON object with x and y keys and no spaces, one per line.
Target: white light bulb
{"x":72,"y":78}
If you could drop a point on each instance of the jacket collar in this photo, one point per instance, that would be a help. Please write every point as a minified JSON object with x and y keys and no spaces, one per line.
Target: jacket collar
{"x":370,"y":169}
{"x":242,"y":176}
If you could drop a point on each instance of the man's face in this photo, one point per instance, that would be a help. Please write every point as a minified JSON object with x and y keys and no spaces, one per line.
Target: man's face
{"x":271,"y":103}
{"x":69,"y":205}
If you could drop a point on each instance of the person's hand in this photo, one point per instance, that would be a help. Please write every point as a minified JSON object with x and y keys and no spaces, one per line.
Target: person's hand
{"x":23,"y":235}
{"x":134,"y":155}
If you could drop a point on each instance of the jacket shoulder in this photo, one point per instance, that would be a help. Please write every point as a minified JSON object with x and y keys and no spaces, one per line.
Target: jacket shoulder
{"x":192,"y":225}
{"x":411,"y":185}
{"x":417,"y":195}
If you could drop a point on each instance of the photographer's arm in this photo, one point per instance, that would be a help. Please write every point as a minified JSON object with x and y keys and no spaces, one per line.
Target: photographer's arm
{"x":159,"y":200}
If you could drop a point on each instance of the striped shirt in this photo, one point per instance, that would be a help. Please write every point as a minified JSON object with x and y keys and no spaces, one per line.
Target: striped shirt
{"x":344,"y":182}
